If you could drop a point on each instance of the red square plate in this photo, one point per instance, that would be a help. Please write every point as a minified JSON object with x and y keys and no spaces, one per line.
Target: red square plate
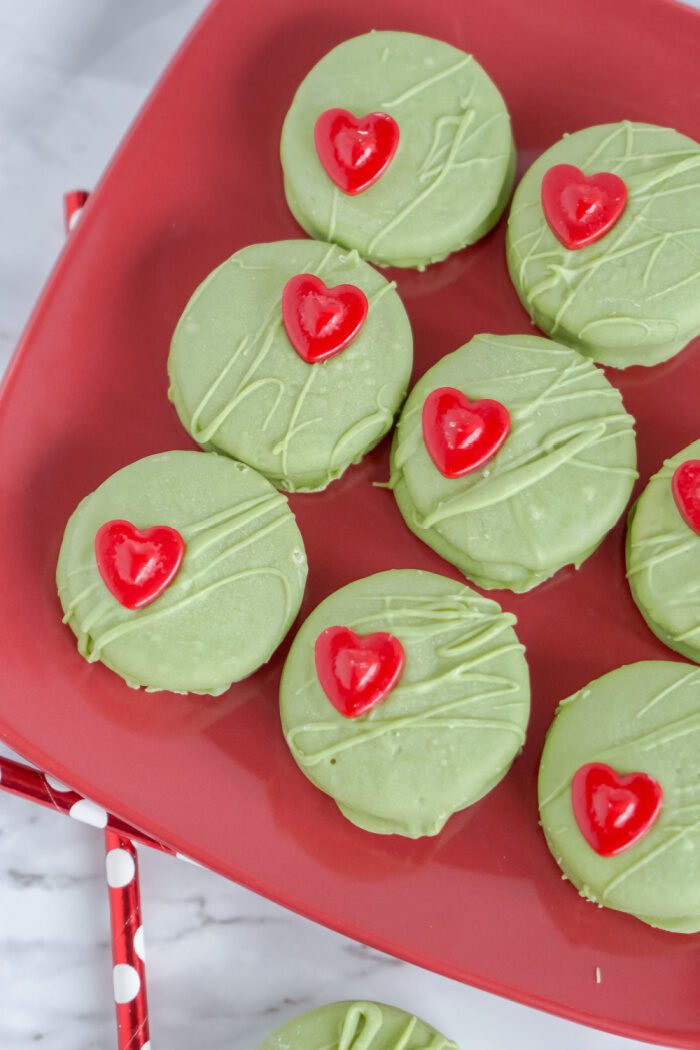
{"x":196,"y":179}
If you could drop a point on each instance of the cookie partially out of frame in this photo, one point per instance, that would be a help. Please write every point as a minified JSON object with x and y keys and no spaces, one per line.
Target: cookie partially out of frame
{"x":367,"y":1026}
{"x":619,"y":793}
{"x":663,"y":553}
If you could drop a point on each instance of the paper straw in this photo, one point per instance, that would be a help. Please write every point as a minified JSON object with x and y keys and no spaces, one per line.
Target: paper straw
{"x":73,"y":203}
{"x":128,"y":971}
{"x":29,"y":783}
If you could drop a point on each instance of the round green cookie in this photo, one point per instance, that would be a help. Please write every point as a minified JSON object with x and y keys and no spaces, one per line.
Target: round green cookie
{"x":232,"y":602}
{"x":445,"y":735}
{"x":559,"y":482}
{"x":632,"y":297}
{"x":357,"y":1026}
{"x":642,"y":718}
{"x":452,"y":173}
{"x":240,"y":387}
{"x":663,"y":562}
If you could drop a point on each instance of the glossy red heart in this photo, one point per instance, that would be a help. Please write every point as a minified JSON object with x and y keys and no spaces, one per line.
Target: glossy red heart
{"x":686,"y":492}
{"x":614,"y":811}
{"x":137,"y":564}
{"x":355,"y":151}
{"x":357,"y":671}
{"x":581,"y":209}
{"x":461,"y":435}
{"x":321,"y":321}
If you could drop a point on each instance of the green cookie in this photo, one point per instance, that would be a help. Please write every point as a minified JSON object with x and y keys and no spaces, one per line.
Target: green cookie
{"x":556,"y":487}
{"x":239,"y":386}
{"x":663,"y":562}
{"x":232,"y":602}
{"x":357,"y":1026}
{"x":452,"y":173}
{"x":445,"y":735}
{"x":632,"y":297}
{"x":642,"y":718}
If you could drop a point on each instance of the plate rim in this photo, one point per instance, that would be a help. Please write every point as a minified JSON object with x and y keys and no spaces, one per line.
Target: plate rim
{"x":640,"y":9}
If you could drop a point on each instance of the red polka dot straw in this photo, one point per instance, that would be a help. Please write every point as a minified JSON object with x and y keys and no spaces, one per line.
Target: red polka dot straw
{"x":127,"y":942}
{"x":36,"y":786}
{"x":73,"y":203}
{"x":129,"y":973}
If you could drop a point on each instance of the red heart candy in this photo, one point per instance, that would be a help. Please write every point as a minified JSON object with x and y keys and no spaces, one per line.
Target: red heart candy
{"x":581,"y":209}
{"x":613,"y":811}
{"x":355,"y":151}
{"x":137,"y":564}
{"x":356,"y":671}
{"x":461,"y":435}
{"x":321,"y":321}
{"x":686,"y":492}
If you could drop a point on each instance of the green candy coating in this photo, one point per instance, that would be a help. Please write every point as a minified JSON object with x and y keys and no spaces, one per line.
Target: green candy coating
{"x":232,"y":602}
{"x":556,"y":487}
{"x":444,"y":736}
{"x":240,"y":388}
{"x":663,"y":562}
{"x":642,"y":718}
{"x":356,"y":1026}
{"x":452,"y":173}
{"x":632,"y":297}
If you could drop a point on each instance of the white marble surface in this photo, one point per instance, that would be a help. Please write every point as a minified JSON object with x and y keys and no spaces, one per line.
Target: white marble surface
{"x":224,"y":966}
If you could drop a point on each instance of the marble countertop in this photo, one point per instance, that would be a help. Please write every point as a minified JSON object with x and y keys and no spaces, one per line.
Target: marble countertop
{"x":224,"y":966}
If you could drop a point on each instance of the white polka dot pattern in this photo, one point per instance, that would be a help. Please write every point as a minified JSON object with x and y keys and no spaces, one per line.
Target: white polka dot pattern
{"x":120,"y":868}
{"x":139,"y":946}
{"x":129,"y":972}
{"x":127,"y":983}
{"x":89,"y":813}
